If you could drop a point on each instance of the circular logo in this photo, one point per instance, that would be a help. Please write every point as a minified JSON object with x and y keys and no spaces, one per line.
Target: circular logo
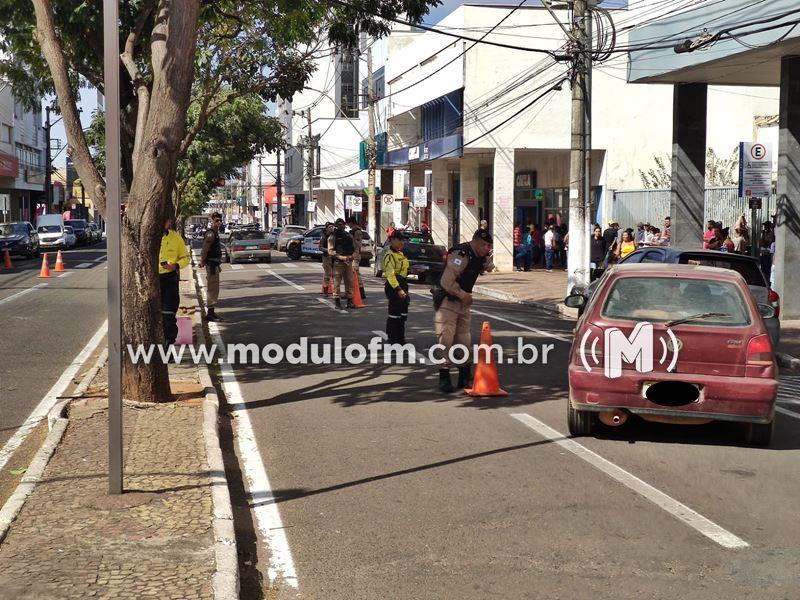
{"x":758,"y":151}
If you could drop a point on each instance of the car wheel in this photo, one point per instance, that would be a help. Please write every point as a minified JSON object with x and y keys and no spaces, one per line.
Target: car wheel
{"x":580,"y":422}
{"x":758,"y":434}
{"x":294,"y":253}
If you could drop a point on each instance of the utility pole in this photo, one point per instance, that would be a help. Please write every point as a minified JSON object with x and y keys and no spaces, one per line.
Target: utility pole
{"x":372,"y":153}
{"x":279,"y":189}
{"x":48,"y":182}
{"x":580,"y":152}
{"x":310,"y":166}
{"x":260,"y":195}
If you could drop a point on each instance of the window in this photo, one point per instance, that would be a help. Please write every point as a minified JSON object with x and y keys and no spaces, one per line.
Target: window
{"x":347,"y":88}
{"x":8,"y":134}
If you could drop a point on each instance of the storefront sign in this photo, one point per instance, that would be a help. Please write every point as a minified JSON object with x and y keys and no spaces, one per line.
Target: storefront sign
{"x":504,"y":201}
{"x":440,"y":201}
{"x":755,"y":170}
{"x":470,"y":201}
{"x":525,"y":180}
{"x":9,"y":166}
{"x":413,"y":153}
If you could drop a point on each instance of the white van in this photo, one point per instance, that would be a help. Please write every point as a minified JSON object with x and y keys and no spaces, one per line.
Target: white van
{"x":51,"y":232}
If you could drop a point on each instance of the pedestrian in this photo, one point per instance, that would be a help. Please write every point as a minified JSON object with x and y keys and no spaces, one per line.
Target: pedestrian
{"x":390,"y":229}
{"x":358,"y":239}
{"x":709,"y":233}
{"x":171,"y":259}
{"x":627,"y":245}
{"x":484,"y":225}
{"x":741,"y":236}
{"x":527,"y":244}
{"x":610,"y":236}
{"x":536,"y":237}
{"x":597,"y":253}
{"x":767,"y":239}
{"x":728,"y":244}
{"x":549,"y":247}
{"x":640,"y":234}
{"x":425,"y":229}
{"x":395,"y":266}
{"x":327,"y":265}
{"x":666,"y":233}
{"x":211,"y":259}
{"x":341,"y":249}
{"x":452,"y":300}
{"x":716,"y":242}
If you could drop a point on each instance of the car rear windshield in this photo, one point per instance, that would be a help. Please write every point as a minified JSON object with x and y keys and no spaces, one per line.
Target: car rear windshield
{"x":417,"y":238}
{"x":13,"y":229}
{"x":248,"y":235}
{"x":49,"y":229}
{"x":68,"y":229}
{"x":746,"y":268}
{"x":662,"y":299}
{"x":76,"y":224}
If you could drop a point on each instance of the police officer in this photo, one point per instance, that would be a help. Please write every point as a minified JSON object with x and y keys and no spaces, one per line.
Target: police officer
{"x":453,"y":299}
{"x":358,"y":238}
{"x":171,"y":258}
{"x":395,"y":266}
{"x":327,"y":267}
{"x":341,"y":249}
{"x":211,"y":259}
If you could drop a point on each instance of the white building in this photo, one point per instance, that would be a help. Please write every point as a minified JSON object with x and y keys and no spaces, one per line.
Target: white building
{"x":450,"y":112}
{"x":22,"y":160}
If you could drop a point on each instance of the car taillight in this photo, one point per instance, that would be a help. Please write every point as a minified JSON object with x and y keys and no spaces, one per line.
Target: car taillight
{"x":760,"y":358}
{"x":263,"y":247}
{"x":238,"y":248}
{"x":775,"y":302}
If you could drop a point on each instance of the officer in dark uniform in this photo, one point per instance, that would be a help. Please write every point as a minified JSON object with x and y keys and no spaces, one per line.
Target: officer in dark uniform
{"x":453,"y":299}
{"x":327,"y":267}
{"x":211,"y":259}
{"x":341,"y":249}
{"x":395,"y":266}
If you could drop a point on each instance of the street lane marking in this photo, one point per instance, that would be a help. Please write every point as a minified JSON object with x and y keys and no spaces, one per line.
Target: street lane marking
{"x":788,"y":413}
{"x":39,"y":413}
{"x":100,"y":258}
{"x":22,"y":293}
{"x":84,"y":265}
{"x":289,"y":265}
{"x":331,"y":305}
{"x":380,"y":334}
{"x":284,"y":280}
{"x":237,"y":267}
{"x":67,"y":274}
{"x":677,"y":509}
{"x":265,"y":508}
{"x":541,"y":332}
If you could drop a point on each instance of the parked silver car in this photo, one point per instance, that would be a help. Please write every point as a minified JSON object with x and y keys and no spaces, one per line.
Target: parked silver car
{"x":248,"y":244}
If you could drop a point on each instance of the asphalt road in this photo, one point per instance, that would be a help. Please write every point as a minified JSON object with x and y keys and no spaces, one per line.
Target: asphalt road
{"x":385,"y":488}
{"x":44,"y":325}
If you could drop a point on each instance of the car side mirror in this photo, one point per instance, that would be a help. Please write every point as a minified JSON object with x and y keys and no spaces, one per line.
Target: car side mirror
{"x":575,"y":301}
{"x":767,"y":311}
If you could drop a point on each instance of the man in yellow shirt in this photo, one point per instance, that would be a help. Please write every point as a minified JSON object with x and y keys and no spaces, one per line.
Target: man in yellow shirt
{"x":395,"y":265}
{"x":172,"y":258}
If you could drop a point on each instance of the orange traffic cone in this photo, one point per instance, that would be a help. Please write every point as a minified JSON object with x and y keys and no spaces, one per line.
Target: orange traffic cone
{"x":7,"y":260}
{"x":45,"y":271}
{"x":357,"y":299}
{"x":486,"y":382}
{"x":59,"y":263}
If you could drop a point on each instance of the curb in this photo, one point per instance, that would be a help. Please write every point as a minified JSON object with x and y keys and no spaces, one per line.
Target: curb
{"x":788,"y":361}
{"x":225,"y":581}
{"x":57,"y":422}
{"x":557,"y":309}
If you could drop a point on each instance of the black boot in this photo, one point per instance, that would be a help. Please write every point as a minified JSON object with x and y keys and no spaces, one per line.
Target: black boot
{"x":350,"y":303}
{"x":324,"y":291}
{"x":445,"y":384}
{"x":465,"y":377}
{"x":338,"y":303}
{"x":211,"y":315}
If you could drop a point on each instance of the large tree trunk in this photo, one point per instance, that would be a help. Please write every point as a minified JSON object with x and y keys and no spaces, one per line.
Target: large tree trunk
{"x":173,"y":55}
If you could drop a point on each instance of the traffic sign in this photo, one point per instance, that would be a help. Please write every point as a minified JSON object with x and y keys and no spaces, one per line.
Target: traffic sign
{"x":387,"y":203}
{"x":420,"y":197}
{"x":755,"y":170}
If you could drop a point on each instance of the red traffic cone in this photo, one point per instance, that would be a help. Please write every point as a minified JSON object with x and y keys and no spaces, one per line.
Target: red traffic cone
{"x":486,"y":382}
{"x":45,"y":271}
{"x":59,"y":263}
{"x":7,"y":260}
{"x":357,"y":299}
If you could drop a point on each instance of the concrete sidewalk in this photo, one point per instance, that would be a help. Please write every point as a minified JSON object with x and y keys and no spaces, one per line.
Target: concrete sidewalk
{"x":546,"y":291}
{"x":169,"y":535}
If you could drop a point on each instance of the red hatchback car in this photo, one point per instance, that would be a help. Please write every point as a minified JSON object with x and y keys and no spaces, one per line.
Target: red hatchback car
{"x":673,"y":344}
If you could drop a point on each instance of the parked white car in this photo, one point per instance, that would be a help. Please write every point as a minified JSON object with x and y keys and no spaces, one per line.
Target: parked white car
{"x":52,"y":236}
{"x":71,"y":238}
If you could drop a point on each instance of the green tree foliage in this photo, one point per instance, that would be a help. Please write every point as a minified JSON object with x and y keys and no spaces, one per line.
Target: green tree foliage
{"x":720,"y":172}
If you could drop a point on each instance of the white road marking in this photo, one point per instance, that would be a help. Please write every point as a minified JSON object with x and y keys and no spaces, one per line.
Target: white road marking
{"x":100,"y":258}
{"x":67,"y":274}
{"x":281,"y":564}
{"x":677,"y":509}
{"x":84,"y":265}
{"x":541,"y":332}
{"x":380,"y":334}
{"x":237,"y":267}
{"x":289,"y":265}
{"x":284,"y":280}
{"x":22,"y":293}
{"x":330,"y":304}
{"x":39,"y":413}
{"x":788,"y":413}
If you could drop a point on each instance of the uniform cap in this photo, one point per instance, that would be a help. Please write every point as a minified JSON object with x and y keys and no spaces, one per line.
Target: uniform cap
{"x":397,"y":235}
{"x":482,"y":234}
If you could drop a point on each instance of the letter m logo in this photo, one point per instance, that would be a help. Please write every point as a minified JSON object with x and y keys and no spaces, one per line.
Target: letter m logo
{"x":638,"y":350}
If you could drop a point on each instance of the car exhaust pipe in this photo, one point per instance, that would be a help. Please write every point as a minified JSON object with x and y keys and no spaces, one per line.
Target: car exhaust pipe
{"x":615,"y":418}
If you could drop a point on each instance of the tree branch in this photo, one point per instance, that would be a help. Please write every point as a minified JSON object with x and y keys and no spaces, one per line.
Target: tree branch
{"x":53,"y":53}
